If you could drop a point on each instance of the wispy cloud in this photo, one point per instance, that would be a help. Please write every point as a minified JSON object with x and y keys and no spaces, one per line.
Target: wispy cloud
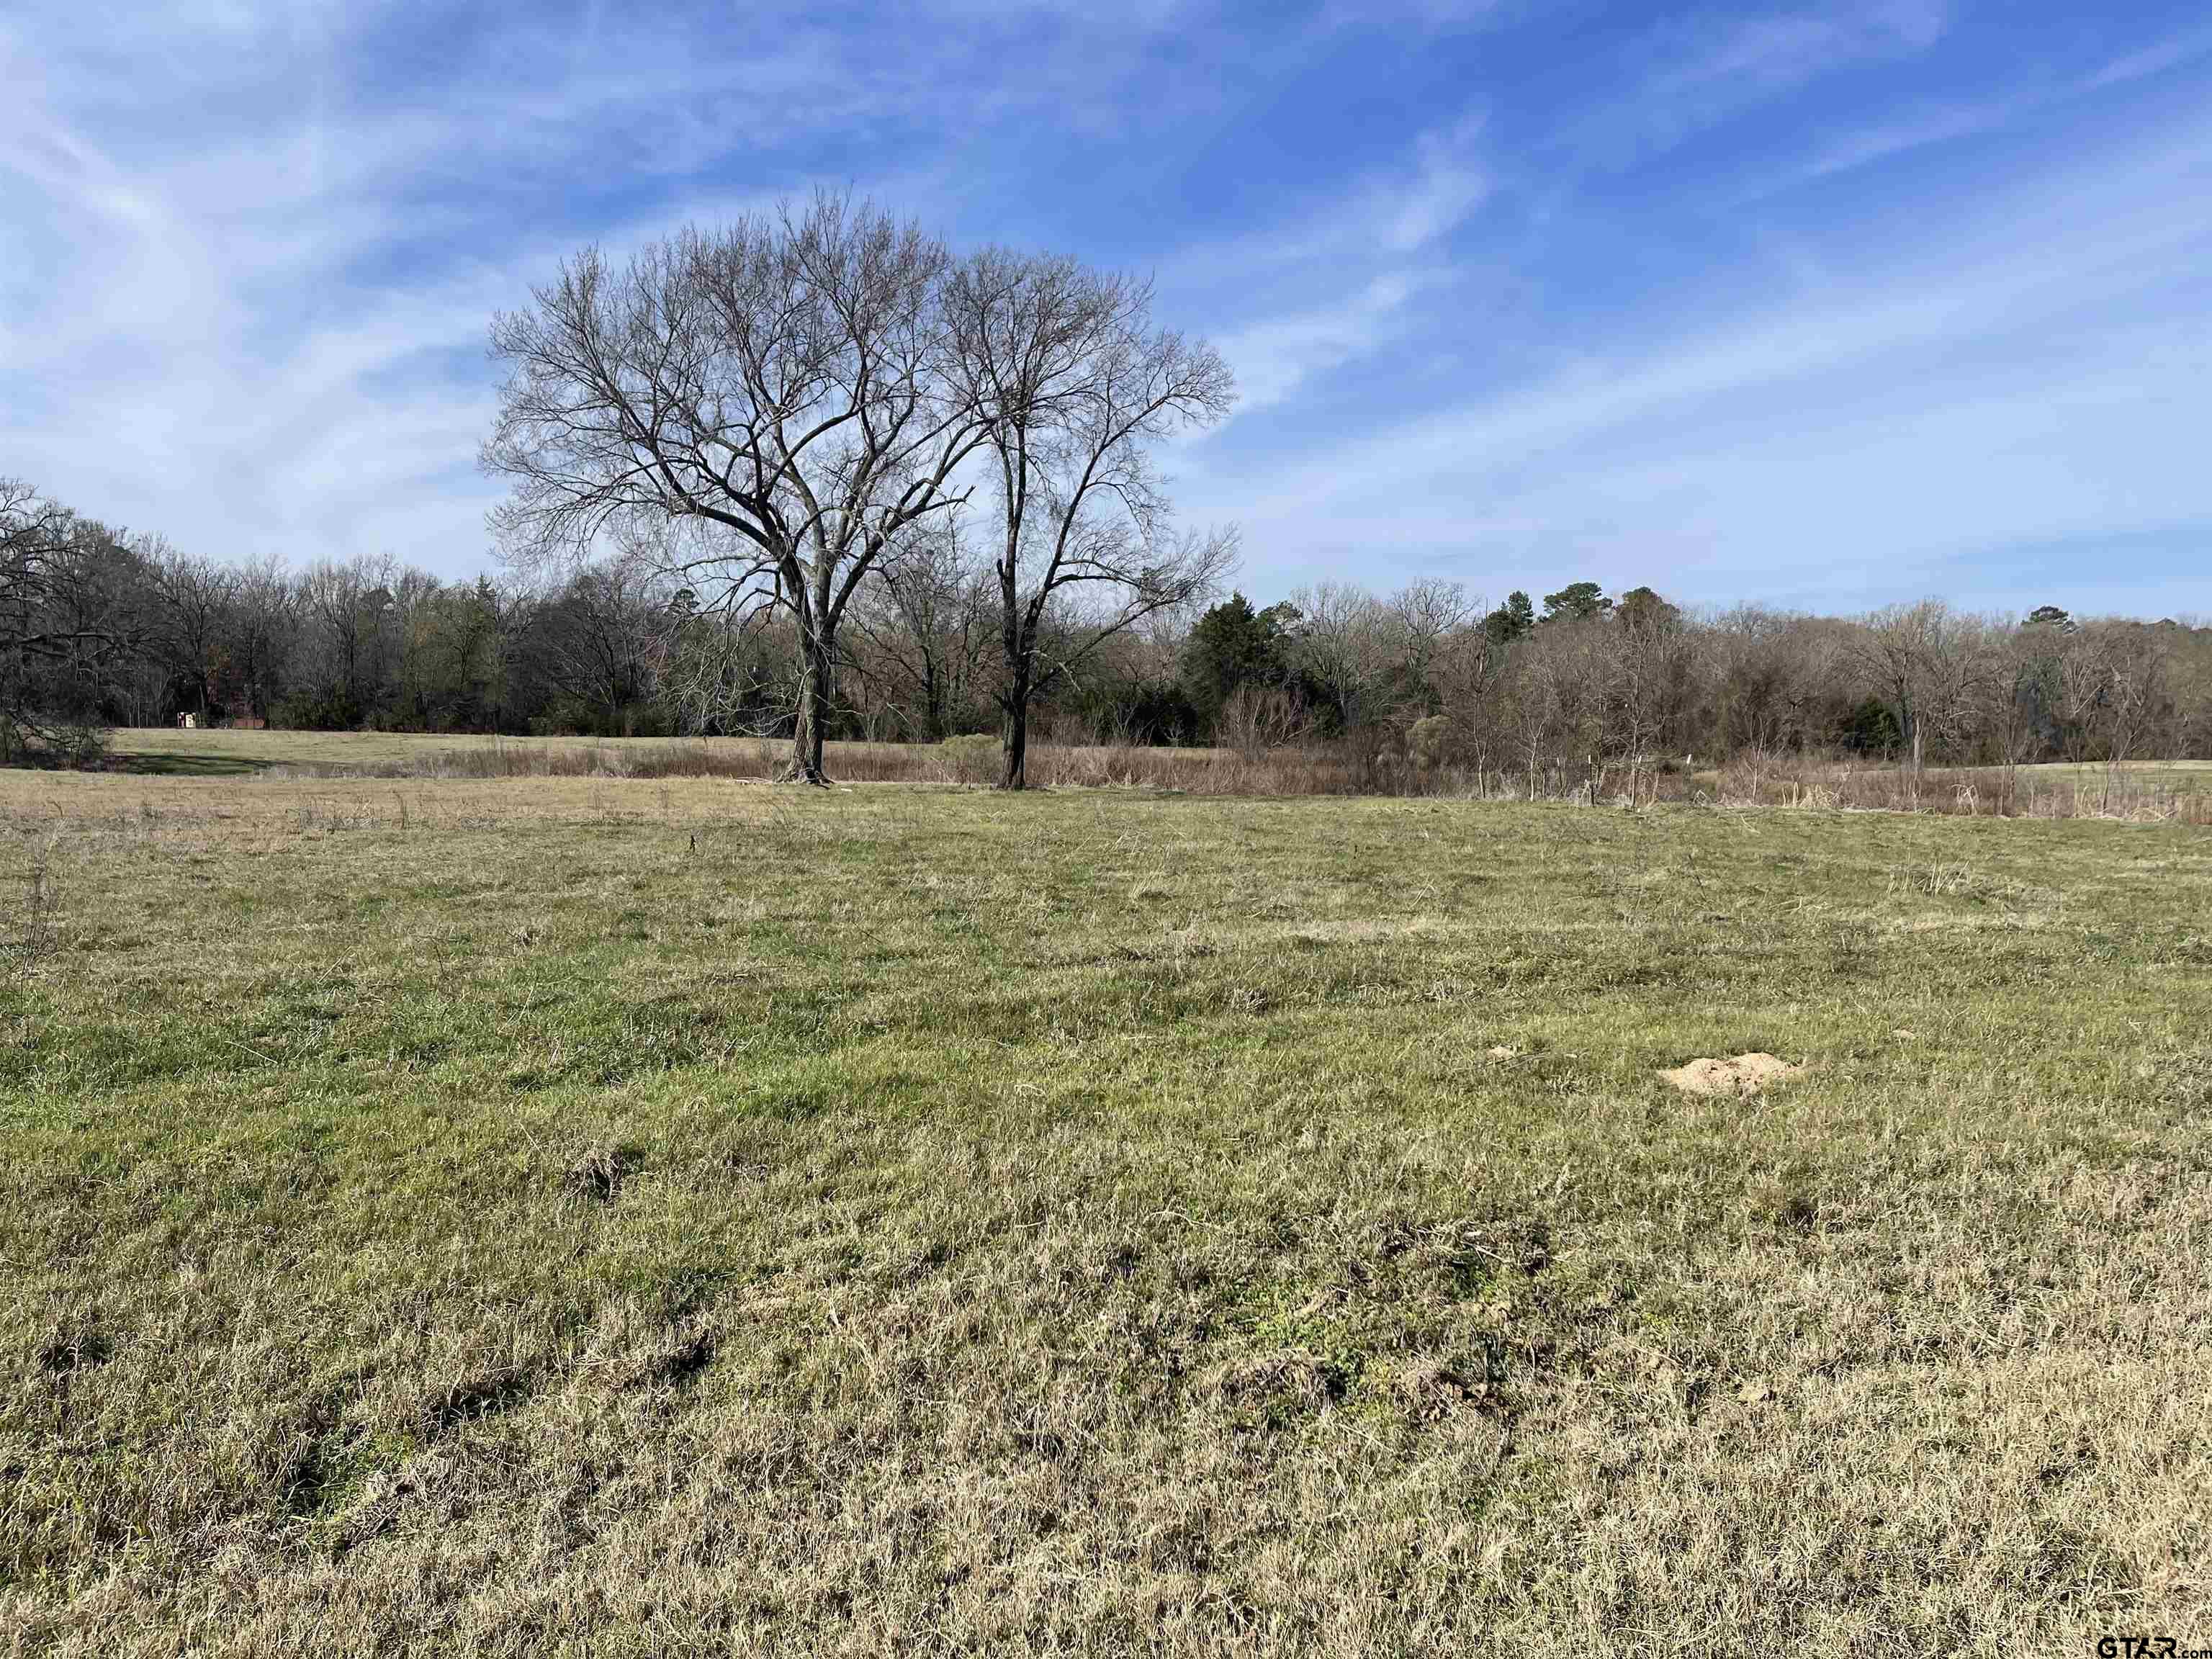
{"x":2153,"y":59}
{"x":246,"y":287}
{"x":1914,"y":129}
{"x":1277,"y":355}
{"x":1355,"y":275}
{"x":1687,"y":75}
{"x":1929,"y":412}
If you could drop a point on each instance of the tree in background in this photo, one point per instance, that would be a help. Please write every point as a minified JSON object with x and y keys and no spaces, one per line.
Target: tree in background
{"x":1232,"y":646}
{"x":771,"y":404}
{"x":1516,"y":619}
{"x":1648,"y":670}
{"x":932,"y":625}
{"x":1344,"y":651}
{"x":263,"y":638}
{"x":349,"y":641}
{"x":1076,"y":387}
{"x":596,"y":637}
{"x":190,"y":623}
{"x":103,"y":629}
{"x":1577,"y":602}
{"x":1922,"y":660}
{"x":69,"y":619}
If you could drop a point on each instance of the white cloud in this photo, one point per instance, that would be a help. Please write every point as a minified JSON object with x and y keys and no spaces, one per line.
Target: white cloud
{"x":2153,"y":59}
{"x":1276,"y":357}
{"x":2041,"y":372}
{"x":1691,"y":74}
{"x":244,"y":299}
{"x":1915,"y":130}
{"x":1449,"y":183}
{"x":1354,"y":268}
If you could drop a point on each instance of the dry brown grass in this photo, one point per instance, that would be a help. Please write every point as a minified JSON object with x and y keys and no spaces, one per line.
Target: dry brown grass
{"x":2147,"y":791}
{"x":600,"y":1215}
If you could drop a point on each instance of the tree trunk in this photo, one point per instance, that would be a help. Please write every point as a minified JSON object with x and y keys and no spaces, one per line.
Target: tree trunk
{"x":1020,"y":637}
{"x":813,"y":725}
{"x":1016,"y":735}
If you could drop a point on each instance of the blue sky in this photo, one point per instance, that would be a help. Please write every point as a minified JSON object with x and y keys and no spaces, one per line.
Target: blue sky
{"x":1827,"y":305}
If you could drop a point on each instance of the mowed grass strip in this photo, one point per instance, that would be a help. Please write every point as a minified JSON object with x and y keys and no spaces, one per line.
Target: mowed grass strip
{"x":587,"y":1216}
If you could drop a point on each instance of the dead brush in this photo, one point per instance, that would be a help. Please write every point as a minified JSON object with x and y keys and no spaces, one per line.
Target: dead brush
{"x":35,"y":930}
{"x":1964,"y":881}
{"x":598,"y":1177}
{"x":1938,"y":881}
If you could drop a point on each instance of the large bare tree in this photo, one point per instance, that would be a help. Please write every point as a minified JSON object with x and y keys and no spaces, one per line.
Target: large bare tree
{"x":768,"y":402}
{"x":1077,"y":388}
{"x":66,"y":617}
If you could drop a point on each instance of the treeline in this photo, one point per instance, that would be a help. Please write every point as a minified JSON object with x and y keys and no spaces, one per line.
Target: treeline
{"x":1594,"y":687}
{"x":103,"y":629}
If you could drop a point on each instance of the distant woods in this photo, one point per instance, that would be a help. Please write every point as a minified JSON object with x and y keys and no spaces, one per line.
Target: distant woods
{"x":105,"y":628}
{"x":811,"y":476}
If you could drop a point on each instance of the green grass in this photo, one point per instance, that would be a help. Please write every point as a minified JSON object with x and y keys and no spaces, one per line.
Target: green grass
{"x":459,"y":1216}
{"x":2195,"y":775}
{"x":229,"y":751}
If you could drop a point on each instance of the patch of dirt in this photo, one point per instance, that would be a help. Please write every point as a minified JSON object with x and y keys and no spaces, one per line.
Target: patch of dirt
{"x":382,"y":1499}
{"x":486,"y":1394}
{"x":1745,"y":1074}
{"x":1277,"y":1389}
{"x":676,"y":1363}
{"x":598,"y":1177}
{"x":1430,"y":1390}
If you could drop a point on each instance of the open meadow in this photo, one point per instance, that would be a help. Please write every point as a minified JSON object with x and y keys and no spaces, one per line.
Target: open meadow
{"x":630,"y":1215}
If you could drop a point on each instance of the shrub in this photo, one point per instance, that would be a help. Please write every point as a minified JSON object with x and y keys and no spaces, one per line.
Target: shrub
{"x":1427,"y":741}
{"x":973,"y":758}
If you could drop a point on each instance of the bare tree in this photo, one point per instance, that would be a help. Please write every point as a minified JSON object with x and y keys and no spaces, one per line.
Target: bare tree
{"x":2014,"y":696}
{"x":773,"y":391}
{"x":264,"y":630}
{"x":2192,"y":682}
{"x":193,"y":598}
{"x":347,"y":606}
{"x":35,"y":538}
{"x":1769,"y":672}
{"x":1925,"y":663}
{"x":597,"y":637}
{"x":1532,"y":713}
{"x":722,"y":674}
{"x":1421,"y":617}
{"x":1078,"y":386}
{"x":1649,"y":666}
{"x":66,"y":617}
{"x":934,"y":625}
{"x":2112,"y":677}
{"x":1341,"y":648}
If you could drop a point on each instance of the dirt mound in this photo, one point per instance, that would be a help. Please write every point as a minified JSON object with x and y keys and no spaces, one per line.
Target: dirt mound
{"x":1746,"y":1074}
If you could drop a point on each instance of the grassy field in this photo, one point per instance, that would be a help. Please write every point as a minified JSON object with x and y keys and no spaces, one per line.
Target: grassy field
{"x":228,"y":751}
{"x":2175,"y":791}
{"x":2183,"y":774}
{"x":587,"y":1216}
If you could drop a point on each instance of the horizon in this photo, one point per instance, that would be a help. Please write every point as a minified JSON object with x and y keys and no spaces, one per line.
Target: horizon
{"x":1824,"y":308}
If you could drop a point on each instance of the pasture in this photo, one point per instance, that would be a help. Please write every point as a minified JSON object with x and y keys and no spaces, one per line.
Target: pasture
{"x":613,"y":1215}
